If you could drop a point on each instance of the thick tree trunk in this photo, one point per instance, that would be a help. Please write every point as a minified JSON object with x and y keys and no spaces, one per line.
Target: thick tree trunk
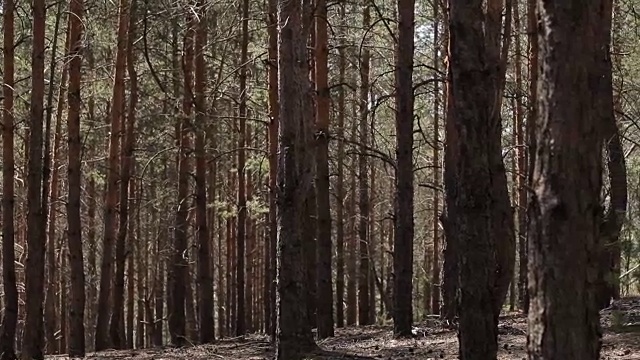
{"x":565,"y":208}
{"x":33,"y":339}
{"x":295,"y":179}
{"x":479,"y":221}
{"x":404,"y":226}
{"x":111,"y":199}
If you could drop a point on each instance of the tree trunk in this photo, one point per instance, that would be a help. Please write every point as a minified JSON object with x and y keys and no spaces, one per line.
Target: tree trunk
{"x":324,"y":275}
{"x":116,"y":332}
{"x":274,"y":108}
{"x":404,"y":227}
{"x":363,"y":181}
{"x":479,"y":221}
{"x":10,"y":318}
{"x":32,"y":341}
{"x":294,"y":183}
{"x":205,"y":278}
{"x":340,"y":192}
{"x":111,"y":199}
{"x":76,"y":258}
{"x":352,"y":246}
{"x":564,"y":215}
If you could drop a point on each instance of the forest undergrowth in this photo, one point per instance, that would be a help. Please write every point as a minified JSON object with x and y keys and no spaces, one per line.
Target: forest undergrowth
{"x":432,"y":340}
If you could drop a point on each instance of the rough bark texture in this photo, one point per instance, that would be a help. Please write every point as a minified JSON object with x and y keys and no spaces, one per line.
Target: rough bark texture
{"x":404,"y":227}
{"x":479,"y":220}
{"x":33,"y":339}
{"x":10,"y":313}
{"x":76,"y":259}
{"x":111,"y":198}
{"x":295,"y":178}
{"x":565,"y":207}
{"x":437,"y":171}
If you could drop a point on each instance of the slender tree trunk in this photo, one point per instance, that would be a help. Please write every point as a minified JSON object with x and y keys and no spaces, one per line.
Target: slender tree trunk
{"x":274,"y":108}
{"x":10,"y":314}
{"x":205,"y":278}
{"x":363,"y":181}
{"x":565,"y":208}
{"x":294,"y":183}
{"x":352,"y":246}
{"x":76,"y":258}
{"x":437,"y":170}
{"x":324,"y":276}
{"x":32,"y":341}
{"x":179,"y":279}
{"x":404,"y":227}
{"x":111,"y":199}
{"x":340,"y":192}
{"x":116,"y":332}
{"x":242,"y":199}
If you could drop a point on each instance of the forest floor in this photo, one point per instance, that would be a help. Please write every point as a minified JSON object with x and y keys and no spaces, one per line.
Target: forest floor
{"x":433,"y":340}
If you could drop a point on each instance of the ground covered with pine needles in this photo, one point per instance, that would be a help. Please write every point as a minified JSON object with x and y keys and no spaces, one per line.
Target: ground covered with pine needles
{"x":433,"y":340}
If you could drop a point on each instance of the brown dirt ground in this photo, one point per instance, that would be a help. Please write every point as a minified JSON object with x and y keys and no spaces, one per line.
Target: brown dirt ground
{"x":433,"y":341}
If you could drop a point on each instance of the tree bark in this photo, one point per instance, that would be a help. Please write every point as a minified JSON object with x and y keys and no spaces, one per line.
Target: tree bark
{"x":33,"y":339}
{"x":564,"y":216}
{"x":404,"y":226}
{"x":111,"y":199}
{"x":294,"y":183}
{"x":10,"y":315}
{"x":479,"y":220}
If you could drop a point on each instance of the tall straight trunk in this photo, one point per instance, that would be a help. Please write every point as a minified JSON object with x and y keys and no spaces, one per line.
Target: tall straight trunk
{"x":205,"y":278}
{"x":32,"y":341}
{"x":64,"y":293}
{"x":76,"y":258}
{"x":179,"y":280}
{"x":478,"y":207}
{"x":521,"y":168}
{"x":532,"y":113}
{"x":437,"y":170}
{"x":91,"y":260}
{"x":340,"y":192}
{"x":294,"y":184}
{"x":565,"y":213}
{"x":352,"y":245}
{"x":324,"y":275}
{"x":116,"y":332}
{"x":51,"y":295}
{"x":111,"y":199}
{"x":274,"y":108}
{"x":47,"y":183}
{"x":10,"y":315}
{"x":363,"y":180}
{"x":242,"y":199}
{"x":403,"y":241}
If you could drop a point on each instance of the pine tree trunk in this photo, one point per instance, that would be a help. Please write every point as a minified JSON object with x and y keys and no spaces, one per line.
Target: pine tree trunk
{"x":10,"y":314}
{"x":363,"y":181}
{"x":76,"y":258}
{"x":33,"y":339}
{"x":295,"y":177}
{"x":404,"y":227}
{"x":564,"y":215}
{"x":102,"y":337}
